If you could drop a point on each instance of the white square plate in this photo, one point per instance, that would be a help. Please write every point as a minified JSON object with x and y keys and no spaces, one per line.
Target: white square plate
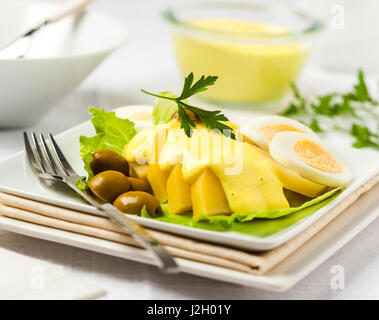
{"x":16,"y":177}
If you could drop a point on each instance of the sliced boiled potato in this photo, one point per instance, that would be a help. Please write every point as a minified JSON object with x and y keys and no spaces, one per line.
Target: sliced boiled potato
{"x":208,"y":196}
{"x":158,"y":182}
{"x":248,"y":181}
{"x":139,"y":171}
{"x":291,"y":180}
{"x":146,"y":145}
{"x":178,"y":192}
{"x":225,"y":175}
{"x":172,"y":152}
{"x":255,"y":187}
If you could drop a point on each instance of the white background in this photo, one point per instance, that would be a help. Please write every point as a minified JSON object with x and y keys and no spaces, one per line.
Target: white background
{"x":147,"y":61}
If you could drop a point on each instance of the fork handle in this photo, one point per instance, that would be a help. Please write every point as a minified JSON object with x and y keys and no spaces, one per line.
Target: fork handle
{"x":165,"y":261}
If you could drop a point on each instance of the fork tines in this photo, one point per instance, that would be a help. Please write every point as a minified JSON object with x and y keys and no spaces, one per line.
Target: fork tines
{"x":46,"y":157}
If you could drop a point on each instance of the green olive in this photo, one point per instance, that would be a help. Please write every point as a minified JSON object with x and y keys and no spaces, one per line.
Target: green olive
{"x":108,"y":160}
{"x":139,"y":185}
{"x":133,"y":201}
{"x":108,"y":185}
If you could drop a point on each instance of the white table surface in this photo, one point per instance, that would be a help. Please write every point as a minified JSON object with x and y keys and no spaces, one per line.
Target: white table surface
{"x":147,"y":61}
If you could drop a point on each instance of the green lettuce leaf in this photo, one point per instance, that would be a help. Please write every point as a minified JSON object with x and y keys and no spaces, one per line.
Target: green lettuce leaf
{"x":267,"y":214}
{"x":111,"y":133}
{"x":259,"y":224}
{"x":164,"y":109}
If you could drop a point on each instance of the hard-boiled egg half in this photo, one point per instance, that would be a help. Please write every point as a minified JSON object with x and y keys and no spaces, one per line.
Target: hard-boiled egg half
{"x":262,"y":130}
{"x":310,"y":157}
{"x":290,"y":179}
{"x":141,"y":115}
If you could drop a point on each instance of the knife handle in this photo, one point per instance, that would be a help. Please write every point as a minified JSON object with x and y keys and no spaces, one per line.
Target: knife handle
{"x":70,"y":7}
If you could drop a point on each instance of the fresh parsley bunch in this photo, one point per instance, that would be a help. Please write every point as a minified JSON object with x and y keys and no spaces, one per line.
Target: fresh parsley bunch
{"x":349,"y":113}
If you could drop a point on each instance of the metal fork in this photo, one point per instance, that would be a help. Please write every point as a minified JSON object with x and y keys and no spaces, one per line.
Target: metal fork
{"x":53,"y":165}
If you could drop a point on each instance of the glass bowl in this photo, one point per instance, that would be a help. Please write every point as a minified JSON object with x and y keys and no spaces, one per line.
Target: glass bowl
{"x":256,"y":49}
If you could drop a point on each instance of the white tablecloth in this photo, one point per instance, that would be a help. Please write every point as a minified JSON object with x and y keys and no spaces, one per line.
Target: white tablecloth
{"x":147,"y":61}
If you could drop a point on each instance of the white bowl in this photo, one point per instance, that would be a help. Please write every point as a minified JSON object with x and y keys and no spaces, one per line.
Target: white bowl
{"x":60,"y":57}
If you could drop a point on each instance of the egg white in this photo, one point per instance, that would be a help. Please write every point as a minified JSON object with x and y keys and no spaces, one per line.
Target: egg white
{"x":282,"y":150}
{"x":251,"y":128}
{"x":127,"y":112}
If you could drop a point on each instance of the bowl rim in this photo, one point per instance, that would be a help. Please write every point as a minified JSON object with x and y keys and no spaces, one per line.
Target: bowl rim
{"x":101,"y":51}
{"x":315,"y":25}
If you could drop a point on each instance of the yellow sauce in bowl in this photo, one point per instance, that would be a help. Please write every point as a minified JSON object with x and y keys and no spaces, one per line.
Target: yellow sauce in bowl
{"x":250,"y":72}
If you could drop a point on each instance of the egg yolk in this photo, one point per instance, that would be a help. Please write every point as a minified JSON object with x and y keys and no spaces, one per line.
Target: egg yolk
{"x":270,"y":130}
{"x":315,"y":156}
{"x":142,"y":115}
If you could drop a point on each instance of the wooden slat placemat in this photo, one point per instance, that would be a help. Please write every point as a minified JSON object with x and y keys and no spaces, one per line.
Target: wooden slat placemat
{"x":256,"y":263}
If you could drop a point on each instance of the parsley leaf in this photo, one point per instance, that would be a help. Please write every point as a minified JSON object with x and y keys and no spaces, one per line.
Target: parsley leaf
{"x":364,"y":137}
{"x":324,"y":105}
{"x":201,"y":85}
{"x":315,"y":126}
{"x":297,"y":107}
{"x":291,"y":110}
{"x":186,"y":122}
{"x":212,"y":119}
{"x":361,"y":93}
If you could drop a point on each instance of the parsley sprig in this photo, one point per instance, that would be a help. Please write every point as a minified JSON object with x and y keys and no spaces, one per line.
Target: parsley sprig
{"x":348,"y":113}
{"x":211,"y":119}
